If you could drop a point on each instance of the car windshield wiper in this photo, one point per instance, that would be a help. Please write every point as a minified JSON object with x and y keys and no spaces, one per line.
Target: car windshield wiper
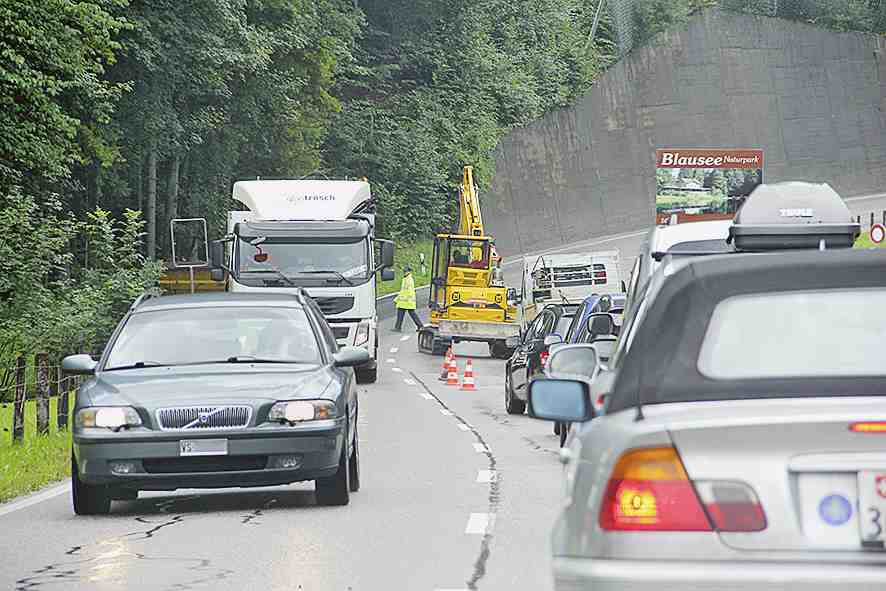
{"x":336,"y":273}
{"x":139,"y":365}
{"x":275,"y":271}
{"x":253,"y":359}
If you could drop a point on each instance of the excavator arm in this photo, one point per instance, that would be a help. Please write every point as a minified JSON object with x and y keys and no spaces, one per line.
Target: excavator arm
{"x":470,"y":221}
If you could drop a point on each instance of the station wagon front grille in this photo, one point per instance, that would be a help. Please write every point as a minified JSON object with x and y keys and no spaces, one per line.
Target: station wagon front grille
{"x":203,"y":417}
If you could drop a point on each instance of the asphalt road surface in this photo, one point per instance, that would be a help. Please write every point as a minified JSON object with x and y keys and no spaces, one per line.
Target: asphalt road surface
{"x":456,"y":494}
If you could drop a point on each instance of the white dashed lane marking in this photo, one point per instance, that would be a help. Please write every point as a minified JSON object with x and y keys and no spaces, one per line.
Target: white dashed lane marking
{"x":486,"y":476}
{"x":480,"y":448}
{"x":404,"y":338}
{"x":409,"y":381}
{"x":425,"y":395}
{"x":479,"y":523}
{"x":396,"y":370}
{"x":463,"y":427}
{"x":394,"y":349}
{"x":445,"y":412}
{"x":392,"y":360}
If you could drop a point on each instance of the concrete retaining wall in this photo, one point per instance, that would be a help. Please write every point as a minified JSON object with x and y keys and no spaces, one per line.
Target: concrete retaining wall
{"x":809,"y":97}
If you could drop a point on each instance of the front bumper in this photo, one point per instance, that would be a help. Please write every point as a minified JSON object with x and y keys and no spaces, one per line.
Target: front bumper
{"x":574,"y":574}
{"x":251,"y":459}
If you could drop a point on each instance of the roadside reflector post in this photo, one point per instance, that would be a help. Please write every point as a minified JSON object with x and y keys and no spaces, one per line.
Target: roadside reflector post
{"x":42,"y":383}
{"x":18,"y":404}
{"x":61,"y":407}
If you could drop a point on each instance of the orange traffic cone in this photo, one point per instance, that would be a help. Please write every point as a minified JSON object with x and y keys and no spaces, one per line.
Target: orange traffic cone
{"x":468,"y":382}
{"x":452,"y":375}
{"x":447,"y":360}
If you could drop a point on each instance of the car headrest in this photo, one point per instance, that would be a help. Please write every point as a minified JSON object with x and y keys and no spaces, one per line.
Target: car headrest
{"x":602,"y":325}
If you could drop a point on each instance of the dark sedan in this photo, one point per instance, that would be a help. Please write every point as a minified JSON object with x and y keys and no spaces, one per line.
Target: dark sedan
{"x":531,"y":353}
{"x":212,"y":391}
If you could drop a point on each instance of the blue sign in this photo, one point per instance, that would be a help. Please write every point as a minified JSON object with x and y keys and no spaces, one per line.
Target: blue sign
{"x":835,"y":510}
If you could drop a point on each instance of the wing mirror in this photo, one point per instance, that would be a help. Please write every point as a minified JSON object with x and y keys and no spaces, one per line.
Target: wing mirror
{"x":79,"y":364}
{"x":387,"y":253}
{"x":553,"y":339}
{"x":217,"y":254}
{"x":350,"y":357}
{"x":567,"y":401}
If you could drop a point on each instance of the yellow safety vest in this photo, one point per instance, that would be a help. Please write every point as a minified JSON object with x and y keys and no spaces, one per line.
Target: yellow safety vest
{"x":406,"y":298}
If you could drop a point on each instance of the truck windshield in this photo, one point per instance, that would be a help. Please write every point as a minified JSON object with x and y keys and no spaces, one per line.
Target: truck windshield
{"x":350,"y":259}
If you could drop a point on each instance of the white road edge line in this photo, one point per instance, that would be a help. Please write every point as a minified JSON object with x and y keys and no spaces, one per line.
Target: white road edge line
{"x":35,"y":498}
{"x":479,"y":523}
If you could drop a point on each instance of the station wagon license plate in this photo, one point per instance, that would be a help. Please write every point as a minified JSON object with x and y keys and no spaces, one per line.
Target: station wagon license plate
{"x":872,"y":508}
{"x":203,"y":447}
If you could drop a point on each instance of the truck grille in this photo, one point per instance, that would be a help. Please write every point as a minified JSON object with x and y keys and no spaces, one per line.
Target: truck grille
{"x":203,"y":417}
{"x":335,"y":305}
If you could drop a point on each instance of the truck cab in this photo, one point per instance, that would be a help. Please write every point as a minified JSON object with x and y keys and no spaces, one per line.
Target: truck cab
{"x":318,"y":236}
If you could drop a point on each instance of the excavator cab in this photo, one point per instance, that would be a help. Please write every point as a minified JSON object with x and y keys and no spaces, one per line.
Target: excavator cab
{"x":459,"y":261}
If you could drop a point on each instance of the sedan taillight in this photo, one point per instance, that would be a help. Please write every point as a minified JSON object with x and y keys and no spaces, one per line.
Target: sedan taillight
{"x":543,"y":358}
{"x":649,"y":490}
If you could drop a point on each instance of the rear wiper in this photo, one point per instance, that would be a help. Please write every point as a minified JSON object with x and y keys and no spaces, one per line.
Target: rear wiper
{"x":139,"y":365}
{"x":336,"y":273}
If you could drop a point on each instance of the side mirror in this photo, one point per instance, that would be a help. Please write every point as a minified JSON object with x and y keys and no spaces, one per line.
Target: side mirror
{"x":350,"y":357}
{"x":79,"y":364}
{"x":513,"y":296}
{"x":217,"y":255}
{"x":567,"y":401}
{"x":387,"y":253}
{"x":387,"y":274}
{"x":553,"y":339}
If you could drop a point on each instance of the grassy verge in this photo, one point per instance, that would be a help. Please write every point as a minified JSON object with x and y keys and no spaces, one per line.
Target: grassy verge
{"x":408,"y":256}
{"x":864,"y":241}
{"x":38,"y":460}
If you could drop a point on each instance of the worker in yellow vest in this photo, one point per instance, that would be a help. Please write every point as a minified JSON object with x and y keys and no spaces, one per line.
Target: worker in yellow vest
{"x":405,"y":301}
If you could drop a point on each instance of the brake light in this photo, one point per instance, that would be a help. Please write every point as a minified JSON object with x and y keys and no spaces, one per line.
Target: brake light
{"x":650,"y":491}
{"x":543,"y":358}
{"x":601,"y":399}
{"x":732,"y":506}
{"x":868,"y":427}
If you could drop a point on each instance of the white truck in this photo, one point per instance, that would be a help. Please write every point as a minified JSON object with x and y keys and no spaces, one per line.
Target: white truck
{"x":317,"y":235}
{"x":567,"y":279}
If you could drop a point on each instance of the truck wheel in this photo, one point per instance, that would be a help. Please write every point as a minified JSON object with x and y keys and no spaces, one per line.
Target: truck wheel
{"x":513,"y":405}
{"x":367,"y":376}
{"x":335,"y":489}
{"x":88,"y":499}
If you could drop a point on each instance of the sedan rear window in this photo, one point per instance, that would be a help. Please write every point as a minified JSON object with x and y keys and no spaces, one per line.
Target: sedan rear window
{"x":215,"y":335}
{"x":828,"y":333}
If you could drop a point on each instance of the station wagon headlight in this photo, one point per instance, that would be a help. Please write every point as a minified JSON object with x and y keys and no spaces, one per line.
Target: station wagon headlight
{"x":362,"y":335}
{"x":107,"y":417}
{"x":299,"y":411}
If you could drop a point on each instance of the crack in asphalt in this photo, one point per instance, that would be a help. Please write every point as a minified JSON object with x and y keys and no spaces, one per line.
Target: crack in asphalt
{"x":253,"y":516}
{"x":494,"y":492}
{"x":113,"y":552}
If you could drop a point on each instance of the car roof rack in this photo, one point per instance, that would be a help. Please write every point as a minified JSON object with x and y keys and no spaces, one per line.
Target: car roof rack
{"x":793,"y":215}
{"x":147,"y":295}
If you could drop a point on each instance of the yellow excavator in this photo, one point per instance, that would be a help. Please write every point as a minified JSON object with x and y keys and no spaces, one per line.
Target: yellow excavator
{"x":469,"y":300}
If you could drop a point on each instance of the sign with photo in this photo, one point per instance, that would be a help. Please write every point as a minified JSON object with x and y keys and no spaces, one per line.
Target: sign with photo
{"x":704,"y":184}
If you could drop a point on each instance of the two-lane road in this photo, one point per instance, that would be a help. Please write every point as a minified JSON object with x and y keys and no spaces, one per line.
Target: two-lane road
{"x":456,"y":494}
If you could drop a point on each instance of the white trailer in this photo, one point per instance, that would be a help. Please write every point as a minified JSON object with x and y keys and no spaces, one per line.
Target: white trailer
{"x":567,"y":279}
{"x":314,"y":235}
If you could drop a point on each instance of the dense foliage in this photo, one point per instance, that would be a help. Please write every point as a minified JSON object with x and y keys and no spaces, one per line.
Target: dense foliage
{"x":112,"y":107}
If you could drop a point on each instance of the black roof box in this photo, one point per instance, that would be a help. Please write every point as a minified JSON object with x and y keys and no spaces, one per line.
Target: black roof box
{"x":792,"y":215}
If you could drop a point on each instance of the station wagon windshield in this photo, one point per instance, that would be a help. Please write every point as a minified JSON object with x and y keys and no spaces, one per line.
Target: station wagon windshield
{"x":214,"y":335}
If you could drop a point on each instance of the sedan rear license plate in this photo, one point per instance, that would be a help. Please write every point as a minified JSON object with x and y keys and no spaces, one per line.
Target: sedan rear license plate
{"x":872,"y":508}
{"x":203,"y":447}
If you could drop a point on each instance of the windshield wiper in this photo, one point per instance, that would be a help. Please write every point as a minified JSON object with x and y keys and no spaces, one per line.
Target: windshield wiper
{"x":336,"y":273}
{"x":139,"y":365}
{"x":275,"y":271}
{"x":253,"y":359}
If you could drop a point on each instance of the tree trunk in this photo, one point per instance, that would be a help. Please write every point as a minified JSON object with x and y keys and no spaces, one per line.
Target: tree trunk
{"x":140,"y":182}
{"x":151,"y":203}
{"x":172,"y":189}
